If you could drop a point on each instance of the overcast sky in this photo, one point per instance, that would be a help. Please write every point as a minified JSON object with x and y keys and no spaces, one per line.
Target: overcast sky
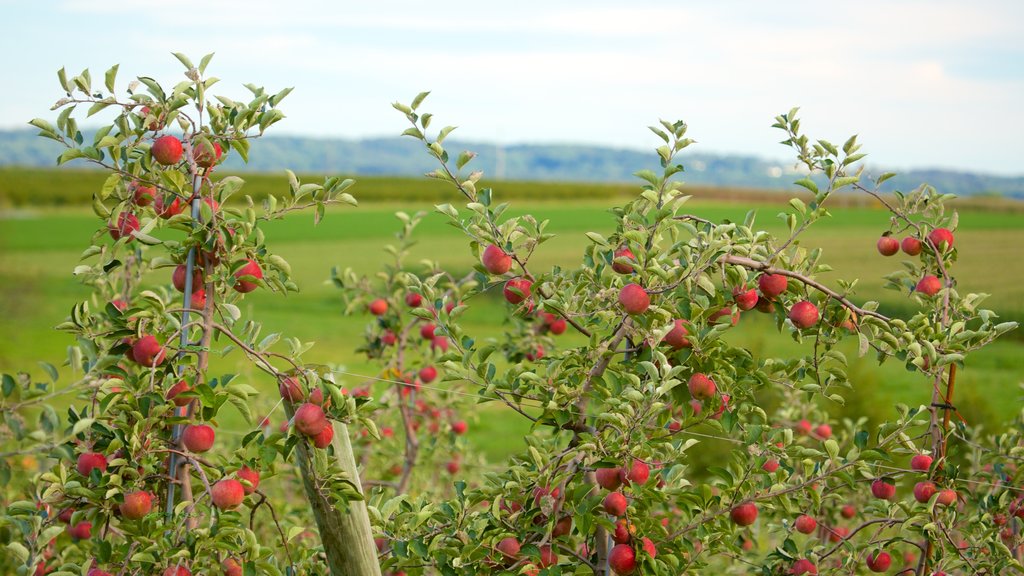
{"x":931,"y":83}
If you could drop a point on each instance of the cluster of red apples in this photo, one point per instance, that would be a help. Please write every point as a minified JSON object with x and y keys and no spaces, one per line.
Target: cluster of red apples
{"x":941,"y":239}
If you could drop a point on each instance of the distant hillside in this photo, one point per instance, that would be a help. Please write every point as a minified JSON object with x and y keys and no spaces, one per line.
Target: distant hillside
{"x":568,"y":163}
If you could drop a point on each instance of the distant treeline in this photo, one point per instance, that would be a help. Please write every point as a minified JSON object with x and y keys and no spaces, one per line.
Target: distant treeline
{"x":554,"y":163}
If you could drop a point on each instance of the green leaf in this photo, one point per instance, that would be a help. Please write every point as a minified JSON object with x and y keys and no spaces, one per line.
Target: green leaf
{"x":184,"y":60}
{"x":419,"y":99}
{"x":110,"y":76}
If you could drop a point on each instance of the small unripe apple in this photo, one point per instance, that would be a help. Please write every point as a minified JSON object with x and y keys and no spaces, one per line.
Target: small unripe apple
{"x":413,"y":300}
{"x":923,"y":491}
{"x":676,"y":337}
{"x":136,"y":505}
{"x":125,"y":225}
{"x":290,"y":389}
{"x":942,"y":238}
{"x":148,"y":351}
{"x":517,"y":289}
{"x":310,"y":419}
{"x":887,"y":245}
{"x":251,"y":268}
{"x":929,"y":285}
{"x":622,"y":559}
{"x":227,"y":494}
{"x":378,"y":307}
{"x":745,"y":299}
{"x":89,"y":461}
{"x":179,"y":274}
{"x":823,"y":431}
{"x":166,"y":150}
{"x":883,"y":489}
{"x":621,"y":267}
{"x":772,"y":285}
{"x":615,"y":504}
{"x":609,"y":478}
{"x":251,"y":476}
{"x":921,"y":462}
{"x":701,"y":386}
{"x":946,"y":497}
{"x":803,"y":314}
{"x":770,"y":465}
{"x":744,"y":515}
{"x":459,"y":428}
{"x":634,"y":299}
{"x":173,"y":395}
{"x":428,"y":374}
{"x":848,"y":511}
{"x":803,"y":566}
{"x":325,"y":437}
{"x":911,"y":246}
{"x":198,"y":437}
{"x":805,"y":524}
{"x":508,"y":547}
{"x":879,"y":561}
{"x":495,"y":260}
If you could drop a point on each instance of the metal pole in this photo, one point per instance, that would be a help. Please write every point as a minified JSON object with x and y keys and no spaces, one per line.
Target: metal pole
{"x":190,"y":263}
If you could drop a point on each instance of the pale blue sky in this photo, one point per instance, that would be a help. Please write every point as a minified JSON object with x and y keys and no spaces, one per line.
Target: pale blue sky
{"x":931,"y":83}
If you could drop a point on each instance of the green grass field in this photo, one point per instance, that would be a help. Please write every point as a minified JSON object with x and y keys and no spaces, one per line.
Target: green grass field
{"x":40,"y":247}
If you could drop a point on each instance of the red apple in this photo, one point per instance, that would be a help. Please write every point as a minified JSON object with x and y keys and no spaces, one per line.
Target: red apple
{"x":227,"y":494}
{"x":883,"y":489}
{"x":848,"y":511}
{"x":173,"y":394}
{"x":548,"y":557}
{"x":623,"y":268}
{"x":676,"y":337}
{"x":177,"y":571}
{"x":310,"y":419}
{"x":805,"y":524}
{"x":126,"y":224}
{"x":89,"y":461}
{"x":198,"y":300}
{"x":231,"y":567}
{"x":250,"y":269}
{"x":205,"y":152}
{"x":745,"y":299}
{"x":929,"y":285}
{"x":558,"y":326}
{"x":942,"y":238}
{"x":923,"y":491}
{"x":622,"y":559}
{"x":639,"y":473}
{"x":911,"y":246}
{"x":325,"y":437}
{"x":428,"y":374}
{"x":459,"y":428}
{"x":290,"y":389}
{"x":80,"y":531}
{"x":517,"y":289}
{"x":887,"y":245}
{"x":803,"y":427}
{"x":508,"y":547}
{"x":921,"y":462}
{"x":803,"y":566}
{"x":615,"y":504}
{"x":772,"y":285}
{"x":770,"y":465}
{"x":701,"y":386}
{"x":823,"y":431}
{"x":452,"y":466}
{"x":136,"y":505}
{"x":251,"y":476}
{"x":388,"y":338}
{"x":803,"y":314}
{"x":166,"y":150}
{"x":744,"y":515}
{"x":148,"y":351}
{"x":609,"y":478}
{"x":142,"y":195}
{"x":378,"y":307}
{"x":879,"y":561}
{"x":946,"y":497}
{"x":413,"y":300}
{"x":495,"y":260}
{"x":178,"y":278}
{"x":648,"y":545}
{"x":634,"y":299}
{"x":562,"y":527}
{"x":198,"y":437}
{"x":624,"y":531}
{"x":168,"y":206}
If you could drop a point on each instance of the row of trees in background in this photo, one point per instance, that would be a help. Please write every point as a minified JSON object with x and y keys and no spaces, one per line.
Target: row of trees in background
{"x":622,"y":367}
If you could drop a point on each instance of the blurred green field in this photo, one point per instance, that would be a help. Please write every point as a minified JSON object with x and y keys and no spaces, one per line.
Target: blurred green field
{"x":40,"y":247}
